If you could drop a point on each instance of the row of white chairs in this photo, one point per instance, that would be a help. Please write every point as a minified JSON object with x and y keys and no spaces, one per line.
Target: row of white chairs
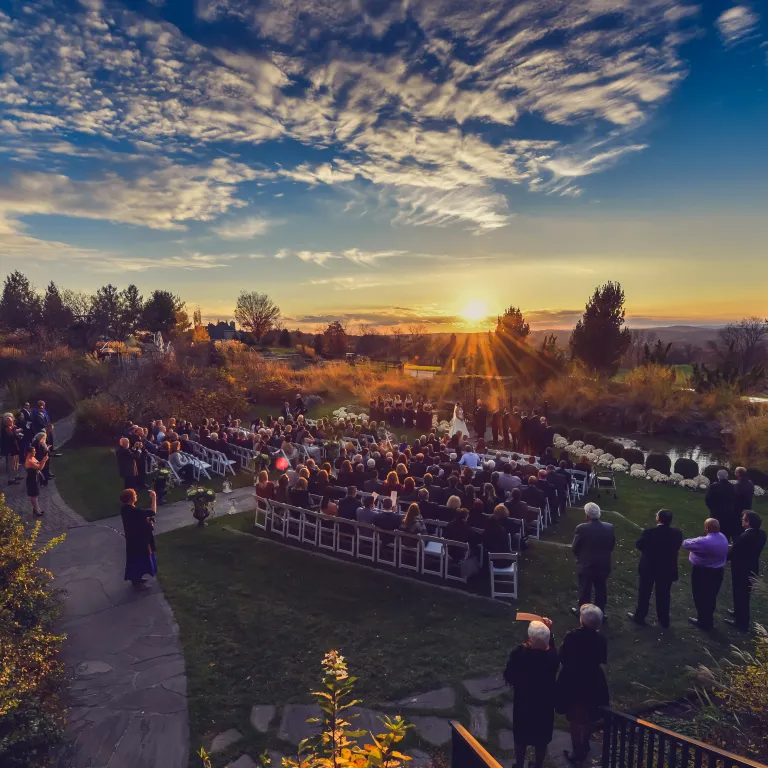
{"x":421,"y":554}
{"x":219,"y":463}
{"x":199,"y":467}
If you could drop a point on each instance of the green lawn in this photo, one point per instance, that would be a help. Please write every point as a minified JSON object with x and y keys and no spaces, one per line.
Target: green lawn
{"x":88,"y":481}
{"x":256,"y":618}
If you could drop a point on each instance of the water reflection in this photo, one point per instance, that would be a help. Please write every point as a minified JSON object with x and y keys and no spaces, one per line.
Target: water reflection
{"x":702,"y":453}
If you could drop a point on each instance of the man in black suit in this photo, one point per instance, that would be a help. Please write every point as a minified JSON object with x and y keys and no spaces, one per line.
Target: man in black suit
{"x":534,"y":496}
{"x":721,"y":503}
{"x":744,"y":492}
{"x":481,"y":419}
{"x":126,"y":462}
{"x":496,"y":426}
{"x":658,"y":567}
{"x":560,"y":483}
{"x":593,"y":543}
{"x":349,"y":504}
{"x":745,"y":566}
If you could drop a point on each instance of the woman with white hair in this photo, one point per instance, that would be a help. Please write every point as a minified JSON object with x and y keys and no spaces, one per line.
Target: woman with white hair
{"x":532,"y":673}
{"x":581,"y":686}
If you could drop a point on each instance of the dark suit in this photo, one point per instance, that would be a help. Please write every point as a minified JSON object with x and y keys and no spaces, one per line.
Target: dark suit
{"x":560,"y":483}
{"x":744,"y":491}
{"x":745,"y":566}
{"x":593,"y":543}
{"x":534,"y":497}
{"x":496,"y":423}
{"x":658,"y":568}
{"x":721,"y":503}
{"x":127,"y":465}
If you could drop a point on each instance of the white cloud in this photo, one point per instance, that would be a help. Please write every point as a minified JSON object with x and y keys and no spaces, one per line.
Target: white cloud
{"x":737,"y":24}
{"x":244,"y":229}
{"x":355,"y":255}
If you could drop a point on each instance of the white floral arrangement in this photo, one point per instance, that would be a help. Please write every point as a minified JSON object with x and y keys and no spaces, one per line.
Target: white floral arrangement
{"x":577,"y":444}
{"x":702,"y":482}
{"x":759,"y":491}
{"x":588,"y":448}
{"x":443,"y":426}
{"x":598,"y":451}
{"x":605,"y":460}
{"x":617,"y":466}
{"x":675,"y":478}
{"x":656,"y":476}
{"x":559,"y":442}
{"x":637,"y":468}
{"x":591,"y":457}
{"x":350,"y":412}
{"x":637,"y":473}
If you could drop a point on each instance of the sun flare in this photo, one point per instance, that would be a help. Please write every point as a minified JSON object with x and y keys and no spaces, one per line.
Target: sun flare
{"x":474,"y":311}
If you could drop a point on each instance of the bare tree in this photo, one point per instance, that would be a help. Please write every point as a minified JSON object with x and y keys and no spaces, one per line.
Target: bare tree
{"x":744,"y":342}
{"x":634,"y":355}
{"x":417,"y":337}
{"x":256,"y":312}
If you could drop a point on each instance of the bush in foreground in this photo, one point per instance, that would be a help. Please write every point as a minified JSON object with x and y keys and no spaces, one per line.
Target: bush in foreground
{"x":659,"y":461}
{"x":711,"y":470}
{"x":31,"y":675}
{"x":615,"y":448}
{"x":633,"y":456}
{"x":688,"y":468}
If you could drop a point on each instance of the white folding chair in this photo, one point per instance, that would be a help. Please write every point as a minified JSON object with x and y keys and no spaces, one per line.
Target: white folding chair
{"x":433,"y":556}
{"x":502,"y":569}
{"x":537,"y":525}
{"x":366,"y":541}
{"x":346,"y":537}
{"x":453,"y":567}
{"x":409,"y":552}
{"x":386,"y":551}
{"x":329,"y":531}
{"x":278,"y":519}
{"x":310,"y":527}
{"x":294,"y":522}
{"x":261,"y":517}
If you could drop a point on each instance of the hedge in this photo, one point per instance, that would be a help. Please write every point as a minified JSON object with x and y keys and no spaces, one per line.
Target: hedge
{"x":592,"y":438}
{"x":688,"y":468}
{"x":576,"y":434}
{"x":659,"y":461}
{"x":633,"y":456}
{"x":758,"y":477}
{"x":711,"y":470}
{"x":615,"y":448}
{"x":562,"y":430}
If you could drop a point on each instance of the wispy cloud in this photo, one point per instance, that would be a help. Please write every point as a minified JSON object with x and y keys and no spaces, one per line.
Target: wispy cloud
{"x":355,"y":255}
{"x":244,"y":229}
{"x":737,"y":24}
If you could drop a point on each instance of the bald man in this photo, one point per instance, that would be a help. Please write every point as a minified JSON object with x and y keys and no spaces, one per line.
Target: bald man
{"x":126,"y":462}
{"x":708,"y":555}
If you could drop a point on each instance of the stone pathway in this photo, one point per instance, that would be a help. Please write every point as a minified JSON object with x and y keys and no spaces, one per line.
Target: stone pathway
{"x":290,"y":725}
{"x":127,"y":697}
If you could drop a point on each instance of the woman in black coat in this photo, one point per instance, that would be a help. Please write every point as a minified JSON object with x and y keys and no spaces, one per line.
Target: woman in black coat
{"x":581,"y":687}
{"x":532,"y":673}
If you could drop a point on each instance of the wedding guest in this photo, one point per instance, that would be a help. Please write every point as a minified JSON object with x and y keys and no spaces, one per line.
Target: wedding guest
{"x":138,"y":527}
{"x":413,"y":521}
{"x":745,"y":568}
{"x":721,"y":503}
{"x":34,"y":468}
{"x":593,"y":543}
{"x":366,"y":513}
{"x":744,"y":492}
{"x":264,"y":487}
{"x":10,"y":447}
{"x":708,"y":555}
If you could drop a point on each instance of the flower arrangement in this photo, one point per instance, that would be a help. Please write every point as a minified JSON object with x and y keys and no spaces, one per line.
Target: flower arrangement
{"x":203,"y":503}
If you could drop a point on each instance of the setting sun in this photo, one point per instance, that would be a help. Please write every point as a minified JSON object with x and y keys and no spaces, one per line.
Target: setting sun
{"x":475,"y":310}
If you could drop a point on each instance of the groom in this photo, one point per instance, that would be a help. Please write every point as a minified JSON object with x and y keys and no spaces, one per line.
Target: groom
{"x":481,"y":417}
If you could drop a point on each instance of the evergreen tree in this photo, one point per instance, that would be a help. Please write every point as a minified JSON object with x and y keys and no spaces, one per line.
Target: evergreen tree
{"x":511,"y":328}
{"x":285,"y":338}
{"x":599,"y":340}
{"x":20,"y":306}
{"x":335,"y":340}
{"x":160,"y":312}
{"x":107,"y":311}
{"x":131,"y":309}
{"x":57,"y":316}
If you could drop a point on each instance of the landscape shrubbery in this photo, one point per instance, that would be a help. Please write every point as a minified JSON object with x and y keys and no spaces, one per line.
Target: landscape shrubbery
{"x":658,"y":461}
{"x":688,"y":468}
{"x":31,"y":674}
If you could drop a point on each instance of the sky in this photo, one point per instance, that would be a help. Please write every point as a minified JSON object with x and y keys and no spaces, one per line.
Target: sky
{"x":391,"y":162}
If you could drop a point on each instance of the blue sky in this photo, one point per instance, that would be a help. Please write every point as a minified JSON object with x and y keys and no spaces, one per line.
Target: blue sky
{"x":391,"y":162}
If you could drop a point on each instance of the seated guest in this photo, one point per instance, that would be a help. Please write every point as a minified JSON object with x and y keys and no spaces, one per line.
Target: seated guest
{"x":327,"y":505}
{"x":532,"y":672}
{"x":413,"y":522}
{"x":549,"y":490}
{"x":447,"y":512}
{"x":519,"y":510}
{"x":281,"y":492}
{"x":409,"y":490}
{"x":532,"y":495}
{"x":387,"y":519}
{"x":583,"y":465}
{"x":452,"y":489}
{"x":299,"y":494}
{"x":265,"y":488}
{"x":483,"y":475}
{"x":470,"y":458}
{"x":372,"y":484}
{"x":346,"y":474}
{"x":359,"y":476}
{"x":560,"y":484}
{"x":489,"y":498}
{"x":435,"y":492}
{"x":180,"y":464}
{"x":496,"y":537}
{"x":349,"y":504}
{"x":477,"y":515}
{"x":366,"y":513}
{"x":460,"y":529}
{"x":391,"y":485}
{"x":507,"y":480}
{"x":428,"y":508}
{"x":320,"y":483}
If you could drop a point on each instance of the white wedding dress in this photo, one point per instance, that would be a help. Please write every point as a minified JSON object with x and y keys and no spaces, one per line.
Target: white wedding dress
{"x":457,"y":423}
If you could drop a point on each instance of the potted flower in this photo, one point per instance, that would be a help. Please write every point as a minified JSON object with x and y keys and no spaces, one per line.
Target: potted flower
{"x":162,"y":478}
{"x":203,"y":503}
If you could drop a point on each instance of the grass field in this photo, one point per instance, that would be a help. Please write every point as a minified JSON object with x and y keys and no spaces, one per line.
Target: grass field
{"x":256,"y":618}
{"x":88,"y":481}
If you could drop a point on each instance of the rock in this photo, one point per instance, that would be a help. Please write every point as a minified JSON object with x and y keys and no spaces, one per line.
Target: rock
{"x":507,"y":711}
{"x":223,"y":740}
{"x":435,"y":730}
{"x":294,"y":726}
{"x":419,"y":759}
{"x":485,"y":688}
{"x":442,"y":698}
{"x":506,"y":739}
{"x":261,"y":716}
{"x":478,"y":722}
{"x":368,"y":720}
{"x":245,"y":761}
{"x":93,"y":668}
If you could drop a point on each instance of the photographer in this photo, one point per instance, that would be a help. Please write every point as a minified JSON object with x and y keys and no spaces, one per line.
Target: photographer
{"x":126,"y":462}
{"x":10,"y":447}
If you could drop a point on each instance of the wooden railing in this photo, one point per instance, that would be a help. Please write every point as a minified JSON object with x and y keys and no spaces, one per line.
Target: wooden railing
{"x":629,"y":742}
{"x":467,"y":751}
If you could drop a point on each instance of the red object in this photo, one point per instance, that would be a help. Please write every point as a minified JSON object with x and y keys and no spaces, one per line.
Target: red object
{"x":282,"y":463}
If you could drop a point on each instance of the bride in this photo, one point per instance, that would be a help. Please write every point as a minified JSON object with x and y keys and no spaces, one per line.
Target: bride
{"x":457,"y":422}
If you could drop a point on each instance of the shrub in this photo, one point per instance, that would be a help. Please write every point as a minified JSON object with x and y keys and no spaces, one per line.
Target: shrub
{"x":659,"y":461}
{"x":633,"y":456}
{"x":615,"y":448}
{"x":31,"y":675}
{"x":758,"y":477}
{"x":561,"y":430}
{"x":592,"y":438}
{"x":100,"y":419}
{"x":711,"y":470}
{"x":576,"y":434}
{"x":749,"y":442}
{"x":602,"y":441}
{"x":688,"y":468}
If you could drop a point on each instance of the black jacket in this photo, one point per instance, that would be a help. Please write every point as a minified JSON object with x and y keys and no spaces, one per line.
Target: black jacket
{"x":744,"y":491}
{"x":659,"y":547}
{"x":126,"y":461}
{"x":721,"y":500}
{"x":533,"y":496}
{"x":348,"y":507}
{"x":745,"y":552}
{"x":593,"y":543}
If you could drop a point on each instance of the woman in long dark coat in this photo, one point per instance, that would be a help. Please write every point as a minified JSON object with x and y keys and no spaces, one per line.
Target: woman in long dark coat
{"x":532,"y":673}
{"x":138,"y":525}
{"x":581,"y":687}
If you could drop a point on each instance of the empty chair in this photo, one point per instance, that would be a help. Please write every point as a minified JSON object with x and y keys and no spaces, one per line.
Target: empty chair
{"x":502,"y":570}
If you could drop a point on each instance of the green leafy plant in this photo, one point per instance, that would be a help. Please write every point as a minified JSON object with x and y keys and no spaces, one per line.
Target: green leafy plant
{"x":203,"y":501}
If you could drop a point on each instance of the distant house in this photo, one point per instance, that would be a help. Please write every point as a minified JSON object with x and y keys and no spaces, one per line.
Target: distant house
{"x":222,"y":331}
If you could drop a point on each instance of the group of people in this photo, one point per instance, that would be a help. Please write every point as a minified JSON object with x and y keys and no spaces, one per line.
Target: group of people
{"x":516,"y":429}
{"x":398,"y":412}
{"x":27,"y":437}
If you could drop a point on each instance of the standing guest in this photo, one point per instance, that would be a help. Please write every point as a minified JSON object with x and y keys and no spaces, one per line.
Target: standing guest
{"x":506,"y":424}
{"x":745,"y":567}
{"x":41,"y":422}
{"x":25,"y":422}
{"x":515,"y":427}
{"x":10,"y":447}
{"x":42,"y":452}
{"x":721,"y":503}
{"x":34,"y":469}
{"x":658,"y":547}
{"x":744,"y":492}
{"x":496,"y":425}
{"x":581,"y":685}
{"x":126,"y":463}
{"x":481,"y":419}
{"x":532,"y":672}
{"x":138,"y":527}
{"x":708,"y":554}
{"x":593,"y":543}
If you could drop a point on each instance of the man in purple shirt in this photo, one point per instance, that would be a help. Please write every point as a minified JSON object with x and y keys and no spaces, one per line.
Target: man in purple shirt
{"x":708,"y":554}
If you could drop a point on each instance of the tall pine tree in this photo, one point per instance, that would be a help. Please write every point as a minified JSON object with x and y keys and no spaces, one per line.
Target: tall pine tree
{"x":20,"y":306}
